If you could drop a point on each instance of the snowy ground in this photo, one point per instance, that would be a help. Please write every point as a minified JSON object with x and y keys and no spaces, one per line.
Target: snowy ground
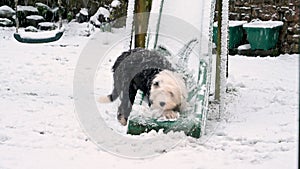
{"x":39,"y":129}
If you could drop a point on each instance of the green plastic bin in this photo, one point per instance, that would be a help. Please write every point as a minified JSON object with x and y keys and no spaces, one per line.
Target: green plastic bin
{"x":263,"y":34}
{"x":236,"y":33}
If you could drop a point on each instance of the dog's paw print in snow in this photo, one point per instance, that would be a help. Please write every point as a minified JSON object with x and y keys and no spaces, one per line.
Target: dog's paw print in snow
{"x":275,"y":99}
{"x":248,"y":150}
{"x":257,"y":151}
{"x":31,"y":94}
{"x":3,"y":138}
{"x":61,"y":60}
{"x":221,"y":133}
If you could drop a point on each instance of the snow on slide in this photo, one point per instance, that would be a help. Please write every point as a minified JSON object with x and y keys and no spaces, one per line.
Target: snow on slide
{"x":183,"y":19}
{"x":180,"y":23}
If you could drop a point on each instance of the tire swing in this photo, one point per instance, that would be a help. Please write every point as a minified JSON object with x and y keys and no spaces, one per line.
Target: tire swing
{"x":38,"y":37}
{"x":193,"y":121}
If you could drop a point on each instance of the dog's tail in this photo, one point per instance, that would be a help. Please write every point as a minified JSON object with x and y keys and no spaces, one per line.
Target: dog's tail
{"x":106,"y":99}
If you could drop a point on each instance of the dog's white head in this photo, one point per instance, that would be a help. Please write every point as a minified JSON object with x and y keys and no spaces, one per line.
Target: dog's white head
{"x":168,"y":91}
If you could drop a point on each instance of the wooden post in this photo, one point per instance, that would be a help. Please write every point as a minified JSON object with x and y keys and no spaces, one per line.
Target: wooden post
{"x":60,"y":14}
{"x":218,"y":54}
{"x":141,"y":21}
{"x":17,"y":20}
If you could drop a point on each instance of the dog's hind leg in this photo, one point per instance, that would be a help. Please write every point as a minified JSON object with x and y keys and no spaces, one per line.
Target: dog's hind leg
{"x":127,"y":99}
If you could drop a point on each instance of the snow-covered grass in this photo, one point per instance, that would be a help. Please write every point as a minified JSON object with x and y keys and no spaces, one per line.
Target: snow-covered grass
{"x":39,"y":128}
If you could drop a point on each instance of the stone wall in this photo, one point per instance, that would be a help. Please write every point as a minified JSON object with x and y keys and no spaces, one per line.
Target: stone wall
{"x":287,"y":11}
{"x":74,"y":6}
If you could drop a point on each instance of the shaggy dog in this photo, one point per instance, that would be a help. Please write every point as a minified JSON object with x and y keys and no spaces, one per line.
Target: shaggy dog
{"x":148,"y":71}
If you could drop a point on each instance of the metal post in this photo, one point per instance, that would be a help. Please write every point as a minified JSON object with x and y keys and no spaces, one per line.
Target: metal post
{"x":158,"y":23}
{"x":224,"y":56}
{"x":218,"y":54}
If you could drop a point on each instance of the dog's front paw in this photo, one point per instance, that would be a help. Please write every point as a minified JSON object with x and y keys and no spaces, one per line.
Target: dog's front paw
{"x":122,"y":120}
{"x":170,"y":114}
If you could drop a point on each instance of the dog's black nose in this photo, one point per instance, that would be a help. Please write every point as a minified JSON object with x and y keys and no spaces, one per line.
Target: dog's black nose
{"x":162,"y":104}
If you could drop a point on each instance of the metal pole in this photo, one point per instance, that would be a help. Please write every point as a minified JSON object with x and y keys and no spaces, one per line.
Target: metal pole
{"x":224,"y":56}
{"x":129,"y":24}
{"x":158,"y":23}
{"x":218,"y":54}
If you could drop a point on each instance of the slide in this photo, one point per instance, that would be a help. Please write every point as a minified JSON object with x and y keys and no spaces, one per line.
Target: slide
{"x":182,"y":29}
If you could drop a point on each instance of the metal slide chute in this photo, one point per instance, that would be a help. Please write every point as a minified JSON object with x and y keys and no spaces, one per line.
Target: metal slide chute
{"x":184,"y":33}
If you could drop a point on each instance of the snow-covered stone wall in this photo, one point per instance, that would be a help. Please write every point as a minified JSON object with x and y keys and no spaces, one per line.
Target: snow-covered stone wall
{"x":73,"y":8}
{"x":278,"y":10}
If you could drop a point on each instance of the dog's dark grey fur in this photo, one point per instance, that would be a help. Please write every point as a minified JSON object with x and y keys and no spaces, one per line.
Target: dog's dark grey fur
{"x":134,"y":70}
